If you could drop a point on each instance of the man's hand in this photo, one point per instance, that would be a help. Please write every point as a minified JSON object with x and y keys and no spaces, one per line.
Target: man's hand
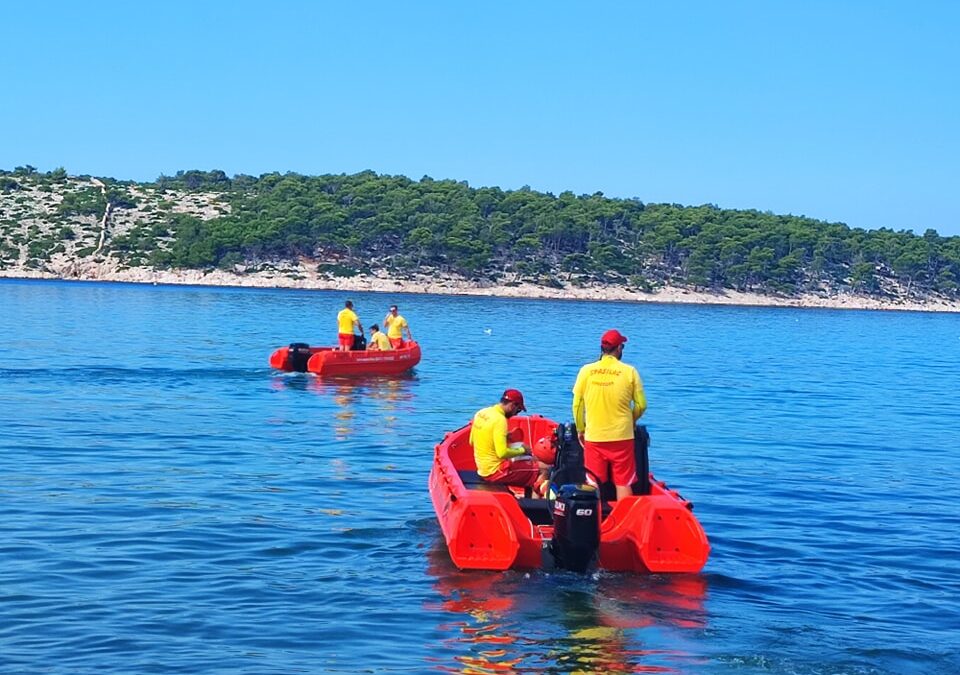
{"x":582,"y":439}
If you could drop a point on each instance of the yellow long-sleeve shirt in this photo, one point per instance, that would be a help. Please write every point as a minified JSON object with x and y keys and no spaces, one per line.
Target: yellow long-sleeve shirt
{"x":488,"y":436}
{"x":607,"y":399}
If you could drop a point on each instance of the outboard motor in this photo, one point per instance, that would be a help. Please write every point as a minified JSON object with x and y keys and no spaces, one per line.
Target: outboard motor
{"x":298,"y":354}
{"x":576,"y":527}
{"x":359,"y":343}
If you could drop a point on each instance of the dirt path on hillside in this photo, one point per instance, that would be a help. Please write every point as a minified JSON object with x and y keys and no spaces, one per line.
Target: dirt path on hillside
{"x":106,"y":215}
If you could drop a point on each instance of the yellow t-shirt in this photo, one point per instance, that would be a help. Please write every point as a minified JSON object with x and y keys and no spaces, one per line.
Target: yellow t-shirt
{"x":345,"y":319}
{"x":395,"y":326}
{"x":488,"y":436}
{"x":381,"y":340}
{"x":602,"y":396}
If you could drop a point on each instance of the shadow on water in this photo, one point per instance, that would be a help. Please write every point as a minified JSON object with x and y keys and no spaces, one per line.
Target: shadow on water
{"x":513,"y":622}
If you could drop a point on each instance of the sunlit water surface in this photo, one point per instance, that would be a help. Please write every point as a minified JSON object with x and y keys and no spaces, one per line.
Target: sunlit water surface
{"x":169,"y":504}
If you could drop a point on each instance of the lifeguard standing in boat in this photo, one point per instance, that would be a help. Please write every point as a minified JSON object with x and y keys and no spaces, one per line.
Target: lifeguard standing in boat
{"x":608,"y":399}
{"x":347,"y":319}
{"x":395,"y":325}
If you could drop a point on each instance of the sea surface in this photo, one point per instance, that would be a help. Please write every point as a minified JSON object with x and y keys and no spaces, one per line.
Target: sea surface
{"x":168,"y":504}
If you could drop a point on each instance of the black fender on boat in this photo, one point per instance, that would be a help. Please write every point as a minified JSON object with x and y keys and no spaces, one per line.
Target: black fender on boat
{"x":641,"y":452}
{"x":569,"y":467}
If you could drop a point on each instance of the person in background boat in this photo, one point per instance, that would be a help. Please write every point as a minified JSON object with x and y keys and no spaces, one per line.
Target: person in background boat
{"x":379,"y":341}
{"x":347,"y":320}
{"x":608,"y":399}
{"x":497,"y":460}
{"x":395,"y":325}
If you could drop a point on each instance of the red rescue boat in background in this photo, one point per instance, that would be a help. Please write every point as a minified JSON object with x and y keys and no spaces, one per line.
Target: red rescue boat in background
{"x":330,"y":361}
{"x":495,"y":527}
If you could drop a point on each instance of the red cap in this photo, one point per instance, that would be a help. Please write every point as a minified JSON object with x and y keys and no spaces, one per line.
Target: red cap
{"x":612,"y":338}
{"x":513,"y":396}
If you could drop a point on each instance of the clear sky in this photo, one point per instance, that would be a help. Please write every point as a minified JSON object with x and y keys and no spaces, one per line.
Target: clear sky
{"x":843,"y":111}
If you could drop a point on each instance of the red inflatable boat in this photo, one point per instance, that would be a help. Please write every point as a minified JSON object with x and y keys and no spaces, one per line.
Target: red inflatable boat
{"x":330,"y":361}
{"x":496,"y":527}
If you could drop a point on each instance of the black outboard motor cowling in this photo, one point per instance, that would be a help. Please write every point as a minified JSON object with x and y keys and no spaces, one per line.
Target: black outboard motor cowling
{"x":298,"y":354}
{"x":359,"y":343}
{"x":576,"y":527}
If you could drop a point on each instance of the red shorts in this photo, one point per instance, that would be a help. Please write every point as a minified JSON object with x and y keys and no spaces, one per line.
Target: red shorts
{"x":522,"y":471}
{"x":346,"y":339}
{"x":396,"y":343}
{"x":599,"y":455}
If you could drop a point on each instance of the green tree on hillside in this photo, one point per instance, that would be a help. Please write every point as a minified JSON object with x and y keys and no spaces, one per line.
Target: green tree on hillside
{"x":366,"y":219}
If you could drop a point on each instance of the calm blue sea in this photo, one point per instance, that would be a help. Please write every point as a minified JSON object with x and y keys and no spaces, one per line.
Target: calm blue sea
{"x":168,"y":504}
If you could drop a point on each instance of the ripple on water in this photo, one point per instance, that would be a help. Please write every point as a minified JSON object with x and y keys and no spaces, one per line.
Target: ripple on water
{"x":171,"y":505}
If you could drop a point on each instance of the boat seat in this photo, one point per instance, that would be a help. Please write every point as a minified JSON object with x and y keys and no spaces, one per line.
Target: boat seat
{"x":472,"y":480}
{"x":539,"y":511}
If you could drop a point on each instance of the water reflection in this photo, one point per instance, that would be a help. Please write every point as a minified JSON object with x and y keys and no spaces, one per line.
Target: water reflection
{"x":385,"y":387}
{"x":377,"y":400}
{"x":479,"y":601}
{"x":515,"y":622}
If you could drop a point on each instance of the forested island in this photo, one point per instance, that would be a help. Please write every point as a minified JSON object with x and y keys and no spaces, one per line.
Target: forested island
{"x":291,"y":229}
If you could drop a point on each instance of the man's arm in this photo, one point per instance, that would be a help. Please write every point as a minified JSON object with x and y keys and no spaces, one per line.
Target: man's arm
{"x":579,"y":410}
{"x":639,"y":398}
{"x":500,"y":441}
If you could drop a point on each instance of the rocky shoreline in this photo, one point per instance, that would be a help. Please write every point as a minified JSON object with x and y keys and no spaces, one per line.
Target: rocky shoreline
{"x":307,"y":278}
{"x":56,"y":227}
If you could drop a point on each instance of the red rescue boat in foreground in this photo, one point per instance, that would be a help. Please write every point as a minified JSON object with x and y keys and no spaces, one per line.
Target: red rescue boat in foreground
{"x":495,"y":527}
{"x":330,"y":361}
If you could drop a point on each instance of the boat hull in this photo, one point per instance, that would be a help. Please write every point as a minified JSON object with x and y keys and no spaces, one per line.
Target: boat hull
{"x":331,"y":362}
{"x":491,"y":527}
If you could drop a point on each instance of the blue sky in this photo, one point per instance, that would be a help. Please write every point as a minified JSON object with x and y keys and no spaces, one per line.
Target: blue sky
{"x":843,"y":111}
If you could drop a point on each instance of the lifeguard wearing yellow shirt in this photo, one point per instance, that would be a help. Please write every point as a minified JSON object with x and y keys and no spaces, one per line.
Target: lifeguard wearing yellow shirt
{"x":346,"y":320}
{"x":379,"y":341}
{"x":395,"y":325}
{"x":496,"y":461}
{"x":608,"y":399}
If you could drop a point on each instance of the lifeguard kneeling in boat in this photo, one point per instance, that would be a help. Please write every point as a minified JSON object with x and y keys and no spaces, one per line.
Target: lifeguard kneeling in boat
{"x":498,"y":460}
{"x":379,"y":341}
